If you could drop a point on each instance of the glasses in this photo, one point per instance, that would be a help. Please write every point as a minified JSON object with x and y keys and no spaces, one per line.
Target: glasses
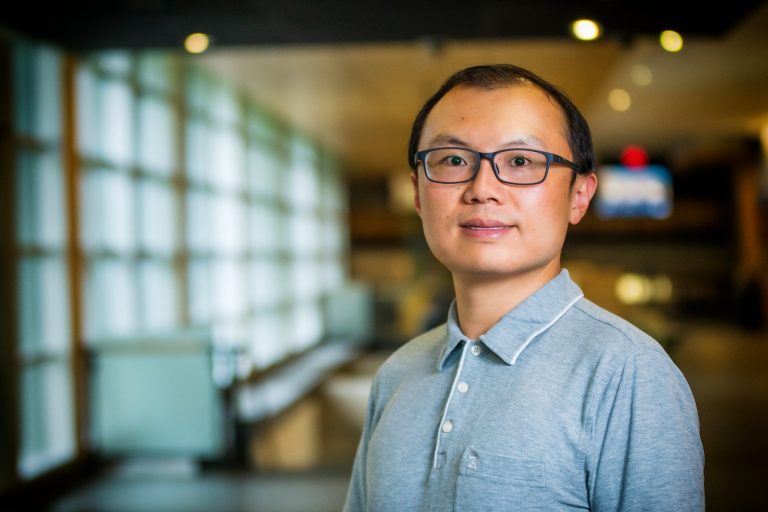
{"x":512,"y":166}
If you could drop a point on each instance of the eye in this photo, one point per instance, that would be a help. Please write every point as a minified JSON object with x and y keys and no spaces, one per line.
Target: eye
{"x":454,"y":160}
{"x":518,"y":161}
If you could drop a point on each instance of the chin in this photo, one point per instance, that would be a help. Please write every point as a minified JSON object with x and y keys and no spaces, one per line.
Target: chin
{"x":484,"y":267}
{"x":499,"y":267}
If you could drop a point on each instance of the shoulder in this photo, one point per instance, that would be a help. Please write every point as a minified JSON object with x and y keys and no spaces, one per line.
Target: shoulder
{"x":414,"y":357}
{"x":628,"y":355}
{"x":608,"y":345}
{"x":610,"y":331}
{"x":416,"y":351}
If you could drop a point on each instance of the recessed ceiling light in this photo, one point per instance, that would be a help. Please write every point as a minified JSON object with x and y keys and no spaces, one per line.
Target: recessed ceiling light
{"x":640,"y":75}
{"x":197,"y":42}
{"x":619,"y":100}
{"x":671,"y":41}
{"x":585,"y":29}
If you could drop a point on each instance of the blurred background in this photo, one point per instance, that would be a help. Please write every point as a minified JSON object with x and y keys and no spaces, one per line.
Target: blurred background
{"x":209,"y":246}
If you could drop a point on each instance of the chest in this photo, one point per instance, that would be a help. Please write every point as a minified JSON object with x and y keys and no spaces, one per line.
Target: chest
{"x":482,"y":426}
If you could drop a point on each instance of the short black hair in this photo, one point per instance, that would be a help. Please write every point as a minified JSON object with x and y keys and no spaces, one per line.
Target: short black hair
{"x":496,"y":76}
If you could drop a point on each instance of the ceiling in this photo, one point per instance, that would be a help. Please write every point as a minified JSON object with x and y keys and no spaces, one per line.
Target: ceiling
{"x":353,"y":74}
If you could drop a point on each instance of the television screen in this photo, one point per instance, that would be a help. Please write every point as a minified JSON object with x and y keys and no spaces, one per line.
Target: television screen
{"x":634,"y":192}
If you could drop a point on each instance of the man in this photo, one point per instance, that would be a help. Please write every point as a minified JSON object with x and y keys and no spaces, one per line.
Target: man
{"x":530,"y":397}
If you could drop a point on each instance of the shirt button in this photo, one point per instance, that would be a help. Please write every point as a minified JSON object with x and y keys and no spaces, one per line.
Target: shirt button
{"x":463,"y":387}
{"x":476,"y":349}
{"x":447,"y":426}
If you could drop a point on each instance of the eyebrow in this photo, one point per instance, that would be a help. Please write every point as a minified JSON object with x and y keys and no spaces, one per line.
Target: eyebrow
{"x":525,"y":140}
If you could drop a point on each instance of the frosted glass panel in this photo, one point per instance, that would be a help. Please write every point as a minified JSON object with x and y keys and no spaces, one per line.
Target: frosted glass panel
{"x":334,"y":274}
{"x":198,"y":151}
{"x":154,"y":70}
{"x":264,"y":172}
{"x":87,"y":90}
{"x":333,"y":238}
{"x":157,"y":209}
{"x":265,"y":228}
{"x":47,"y":92}
{"x":230,"y":335}
{"x":224,"y":103}
{"x":268,"y":343}
{"x":228,"y":224}
{"x":159,"y":302}
{"x":306,"y":326}
{"x":199,"y":292}
{"x":333,"y":195}
{"x":110,"y":299}
{"x":40,"y":200}
{"x":307,"y":279}
{"x":116,"y":123}
{"x":197,"y":90}
{"x":157,"y":136}
{"x":304,"y":233}
{"x":229,"y":281}
{"x":117,"y":62}
{"x":37,"y":73}
{"x":299,"y":188}
{"x":228,"y":157}
{"x":47,"y":429}
{"x":44,"y":306}
{"x":23,"y":80}
{"x":108,"y":211}
{"x":267,"y":283}
{"x":198,"y":221}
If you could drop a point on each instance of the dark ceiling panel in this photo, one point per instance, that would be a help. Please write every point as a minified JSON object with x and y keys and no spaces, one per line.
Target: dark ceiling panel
{"x":164,"y":23}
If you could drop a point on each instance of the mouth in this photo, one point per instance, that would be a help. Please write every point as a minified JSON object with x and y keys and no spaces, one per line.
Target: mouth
{"x":485,"y":227}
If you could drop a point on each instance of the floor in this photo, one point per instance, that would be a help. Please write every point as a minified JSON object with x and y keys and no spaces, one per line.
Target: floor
{"x":164,"y":489}
{"x":727,"y":369}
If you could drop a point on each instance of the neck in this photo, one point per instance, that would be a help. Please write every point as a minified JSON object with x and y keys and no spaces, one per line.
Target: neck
{"x":480,"y":303}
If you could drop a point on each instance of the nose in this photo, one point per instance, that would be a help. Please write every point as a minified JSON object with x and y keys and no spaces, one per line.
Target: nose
{"x":485,"y":187}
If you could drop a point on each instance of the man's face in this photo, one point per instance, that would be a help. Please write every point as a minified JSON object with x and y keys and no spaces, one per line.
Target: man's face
{"x":485,"y":228}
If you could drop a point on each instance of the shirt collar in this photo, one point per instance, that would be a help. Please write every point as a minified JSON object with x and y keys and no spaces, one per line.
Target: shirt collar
{"x":512,"y":334}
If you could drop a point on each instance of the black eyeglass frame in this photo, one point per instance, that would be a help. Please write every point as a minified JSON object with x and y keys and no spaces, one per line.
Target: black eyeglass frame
{"x":551,"y":157}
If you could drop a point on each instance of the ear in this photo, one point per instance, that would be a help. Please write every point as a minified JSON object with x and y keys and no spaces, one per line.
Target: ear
{"x":416,"y":198}
{"x":583,"y":190}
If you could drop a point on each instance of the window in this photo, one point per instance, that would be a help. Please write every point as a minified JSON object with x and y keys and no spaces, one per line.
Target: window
{"x":191,"y":207}
{"x":127,"y":145}
{"x":43,"y":328}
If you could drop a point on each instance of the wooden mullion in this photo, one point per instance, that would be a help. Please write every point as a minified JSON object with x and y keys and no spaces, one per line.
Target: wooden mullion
{"x":72,"y":174}
{"x":9,"y":362}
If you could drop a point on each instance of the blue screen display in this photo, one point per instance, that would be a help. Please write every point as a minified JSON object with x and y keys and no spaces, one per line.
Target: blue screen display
{"x":634,"y":191}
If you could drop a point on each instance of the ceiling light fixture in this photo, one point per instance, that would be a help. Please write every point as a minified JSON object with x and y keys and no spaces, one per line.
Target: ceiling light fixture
{"x":619,"y":100}
{"x":671,"y":41}
{"x":641,"y":75}
{"x":197,"y":42}
{"x":586,"y":29}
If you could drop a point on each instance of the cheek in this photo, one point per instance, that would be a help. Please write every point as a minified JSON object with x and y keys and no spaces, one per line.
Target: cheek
{"x":549,"y":210}
{"x":436,"y":202}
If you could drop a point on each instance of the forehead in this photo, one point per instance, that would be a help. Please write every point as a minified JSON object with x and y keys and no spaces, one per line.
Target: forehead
{"x":491,"y":115}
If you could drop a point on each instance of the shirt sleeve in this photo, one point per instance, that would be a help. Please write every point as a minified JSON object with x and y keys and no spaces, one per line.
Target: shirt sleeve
{"x":646,"y":447}
{"x":356,"y":494}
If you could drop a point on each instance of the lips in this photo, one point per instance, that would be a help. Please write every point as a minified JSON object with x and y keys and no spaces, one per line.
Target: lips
{"x":485,"y":229}
{"x":486,"y":224}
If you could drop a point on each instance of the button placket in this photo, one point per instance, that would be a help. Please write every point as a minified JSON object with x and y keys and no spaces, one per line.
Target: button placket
{"x":454,"y":412}
{"x":462,"y":387}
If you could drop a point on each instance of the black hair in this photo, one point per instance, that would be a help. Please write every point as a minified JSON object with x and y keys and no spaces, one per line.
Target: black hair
{"x":496,"y":76}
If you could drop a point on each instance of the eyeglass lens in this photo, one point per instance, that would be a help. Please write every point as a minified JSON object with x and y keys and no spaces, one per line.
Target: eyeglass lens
{"x":453,"y":165}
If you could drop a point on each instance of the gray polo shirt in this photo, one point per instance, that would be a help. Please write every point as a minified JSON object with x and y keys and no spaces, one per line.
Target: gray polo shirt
{"x":560,"y":406}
